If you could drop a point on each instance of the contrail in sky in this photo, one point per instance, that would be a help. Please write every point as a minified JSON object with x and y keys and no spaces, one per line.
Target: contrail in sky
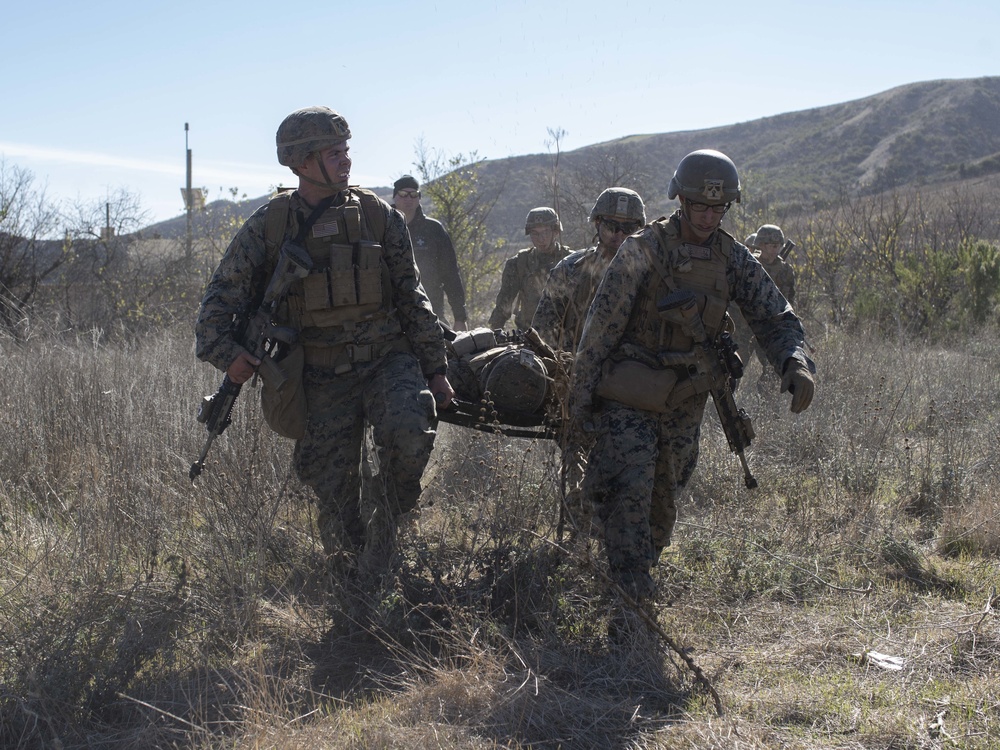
{"x":204,"y":171}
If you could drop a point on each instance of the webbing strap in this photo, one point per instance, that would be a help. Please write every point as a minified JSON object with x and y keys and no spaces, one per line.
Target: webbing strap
{"x":658,"y":266}
{"x":275,"y":221}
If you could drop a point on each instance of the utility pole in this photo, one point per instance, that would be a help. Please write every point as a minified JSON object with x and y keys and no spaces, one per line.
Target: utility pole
{"x":107,"y":231}
{"x":188,"y":198}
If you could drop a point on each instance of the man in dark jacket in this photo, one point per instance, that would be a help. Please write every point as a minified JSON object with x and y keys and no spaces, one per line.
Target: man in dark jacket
{"x":433,"y":252}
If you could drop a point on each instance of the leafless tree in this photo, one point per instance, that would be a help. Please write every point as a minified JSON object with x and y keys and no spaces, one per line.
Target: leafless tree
{"x":29,"y":250}
{"x":614,"y":166}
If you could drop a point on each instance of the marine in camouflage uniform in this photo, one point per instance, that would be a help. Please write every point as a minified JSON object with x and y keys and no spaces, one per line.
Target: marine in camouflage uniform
{"x":562,"y":309}
{"x":374,"y":353}
{"x":433,"y":252}
{"x":768,"y":241}
{"x":643,"y":458}
{"x":561,"y":312}
{"x":524,"y":275}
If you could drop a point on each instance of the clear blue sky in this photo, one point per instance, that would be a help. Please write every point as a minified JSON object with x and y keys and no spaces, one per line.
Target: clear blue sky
{"x":95,"y":95}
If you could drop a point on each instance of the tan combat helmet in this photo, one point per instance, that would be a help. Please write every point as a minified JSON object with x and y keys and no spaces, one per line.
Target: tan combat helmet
{"x":307,"y":130}
{"x":770,"y":234}
{"x":620,"y":204}
{"x":543,"y":216}
{"x":706,"y":176}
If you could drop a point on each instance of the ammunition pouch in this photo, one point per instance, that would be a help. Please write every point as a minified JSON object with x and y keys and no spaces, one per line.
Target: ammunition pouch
{"x":637,"y":385}
{"x":469,"y":343}
{"x":283,"y":395}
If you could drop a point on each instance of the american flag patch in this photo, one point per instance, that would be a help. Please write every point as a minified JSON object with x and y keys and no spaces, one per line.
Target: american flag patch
{"x":325,"y":229}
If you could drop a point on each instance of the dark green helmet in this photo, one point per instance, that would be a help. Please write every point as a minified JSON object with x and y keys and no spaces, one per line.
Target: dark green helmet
{"x":307,"y":130}
{"x":770,"y":234}
{"x":706,"y":176}
{"x":543,"y":216}
{"x":620,"y":204}
{"x":751,"y":240}
{"x":516,"y":381}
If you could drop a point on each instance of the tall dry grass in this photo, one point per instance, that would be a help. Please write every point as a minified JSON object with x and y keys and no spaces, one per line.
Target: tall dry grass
{"x":139,"y":610}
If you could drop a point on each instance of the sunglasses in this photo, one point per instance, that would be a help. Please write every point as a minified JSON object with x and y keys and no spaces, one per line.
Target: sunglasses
{"x":625,"y":227}
{"x":700,"y":208}
{"x":408,"y":193}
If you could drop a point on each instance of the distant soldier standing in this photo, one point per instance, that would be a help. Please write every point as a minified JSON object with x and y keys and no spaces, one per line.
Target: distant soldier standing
{"x":524,"y":275}
{"x":373,"y":351}
{"x":570,"y":288}
{"x":768,"y":242}
{"x":647,"y":437}
{"x":433,"y":252}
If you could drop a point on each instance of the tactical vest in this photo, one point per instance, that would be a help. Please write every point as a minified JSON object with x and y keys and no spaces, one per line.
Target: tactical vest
{"x":532,"y":271}
{"x":350,"y":279}
{"x":589,"y":271}
{"x":782,"y":275}
{"x":681,"y":265}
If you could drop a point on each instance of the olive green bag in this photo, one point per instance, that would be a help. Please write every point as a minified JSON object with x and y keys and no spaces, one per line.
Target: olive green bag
{"x":635,"y":384}
{"x":282,"y":393}
{"x":285,"y":407}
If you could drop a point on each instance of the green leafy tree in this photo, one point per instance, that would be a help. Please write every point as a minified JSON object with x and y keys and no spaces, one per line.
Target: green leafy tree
{"x":979,"y":263}
{"x":451,"y":186}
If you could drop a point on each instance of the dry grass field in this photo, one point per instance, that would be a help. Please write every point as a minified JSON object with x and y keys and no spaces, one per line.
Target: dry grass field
{"x":848,"y":602}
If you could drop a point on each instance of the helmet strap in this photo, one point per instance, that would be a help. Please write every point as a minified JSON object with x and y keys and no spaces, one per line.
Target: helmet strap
{"x":685,"y":211}
{"x":328,"y":184}
{"x":326,"y":176}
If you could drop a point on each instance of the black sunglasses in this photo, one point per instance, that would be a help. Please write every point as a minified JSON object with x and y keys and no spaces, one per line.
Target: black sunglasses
{"x":625,"y":227}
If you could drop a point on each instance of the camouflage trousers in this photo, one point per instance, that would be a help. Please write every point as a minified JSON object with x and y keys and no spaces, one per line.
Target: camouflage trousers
{"x":389,"y":395}
{"x":639,"y":464}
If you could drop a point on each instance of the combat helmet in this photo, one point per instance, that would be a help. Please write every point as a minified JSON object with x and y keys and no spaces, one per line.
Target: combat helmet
{"x":543,"y":216}
{"x":770,"y":234}
{"x":307,"y":130}
{"x":751,"y":240}
{"x":706,"y":176}
{"x":516,"y":381}
{"x":620,"y":204}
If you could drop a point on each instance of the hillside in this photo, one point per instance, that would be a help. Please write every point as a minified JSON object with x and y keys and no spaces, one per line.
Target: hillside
{"x":908,"y":136}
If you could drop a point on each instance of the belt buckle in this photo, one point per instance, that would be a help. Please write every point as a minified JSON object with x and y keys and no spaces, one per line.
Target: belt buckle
{"x":360,"y":352}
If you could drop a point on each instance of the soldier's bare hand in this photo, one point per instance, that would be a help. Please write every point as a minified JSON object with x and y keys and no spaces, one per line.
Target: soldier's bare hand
{"x":242,"y":368}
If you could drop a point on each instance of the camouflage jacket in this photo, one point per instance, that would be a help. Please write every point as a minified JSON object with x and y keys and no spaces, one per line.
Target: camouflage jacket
{"x":613,"y":320}
{"x":566,"y":298}
{"x":245,"y":267}
{"x":434,"y":254}
{"x":783,"y":275}
{"x":522,"y":282}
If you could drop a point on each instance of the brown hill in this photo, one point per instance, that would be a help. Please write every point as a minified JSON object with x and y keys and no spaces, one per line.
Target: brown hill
{"x":912,"y":135}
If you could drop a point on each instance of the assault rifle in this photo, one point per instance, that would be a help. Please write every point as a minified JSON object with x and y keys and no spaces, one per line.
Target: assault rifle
{"x":786,"y":249}
{"x":716,"y":363}
{"x":259,"y":335}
